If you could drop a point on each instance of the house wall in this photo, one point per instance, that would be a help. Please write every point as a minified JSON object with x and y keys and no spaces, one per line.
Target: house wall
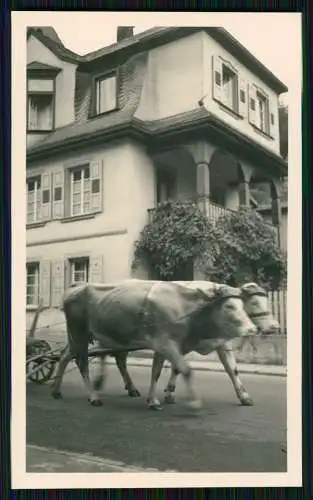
{"x":65,"y":84}
{"x":128,"y":191}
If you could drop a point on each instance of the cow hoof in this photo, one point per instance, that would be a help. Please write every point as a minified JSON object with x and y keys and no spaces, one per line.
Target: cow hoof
{"x":95,"y":402}
{"x":56,"y":395}
{"x":134,"y":393}
{"x":154,"y":404}
{"x":169,"y":399}
{"x":247,"y":401}
{"x":195,"y":405}
{"x":170,"y":388}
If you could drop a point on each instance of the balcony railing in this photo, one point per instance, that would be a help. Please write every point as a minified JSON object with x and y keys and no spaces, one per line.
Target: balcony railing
{"x":211,"y":209}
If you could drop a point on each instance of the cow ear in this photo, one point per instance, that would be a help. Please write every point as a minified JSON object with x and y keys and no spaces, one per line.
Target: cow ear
{"x":252,"y":289}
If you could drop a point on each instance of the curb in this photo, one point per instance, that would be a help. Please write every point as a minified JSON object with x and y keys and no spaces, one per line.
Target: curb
{"x":42,"y":459}
{"x":278,"y":371}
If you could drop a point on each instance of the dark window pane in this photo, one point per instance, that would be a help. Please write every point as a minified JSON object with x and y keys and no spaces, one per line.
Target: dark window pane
{"x":57,"y":194}
{"x":95,"y":186}
{"x":86,"y":173}
{"x":217,"y":78}
{"x":252,"y":104}
{"x":46,"y":196}
{"x":242,"y":96}
{"x":31,"y":185}
{"x":272,"y":119}
{"x":77,"y":174}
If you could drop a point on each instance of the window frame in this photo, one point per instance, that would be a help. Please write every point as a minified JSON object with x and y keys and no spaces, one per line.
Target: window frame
{"x":71,"y":172}
{"x":262,"y":96}
{"x":76,"y":260}
{"x":35,"y":263}
{"x":29,"y":93}
{"x":34,"y":178}
{"x":104,"y":76}
{"x":234,"y":110}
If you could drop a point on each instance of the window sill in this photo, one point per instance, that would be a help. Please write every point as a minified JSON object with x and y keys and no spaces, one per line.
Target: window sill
{"x":33,"y":225}
{"x":74,"y":218}
{"x":261,"y":132}
{"x":230,"y":111}
{"x":32,"y":308}
{"x":100,"y":115}
{"x":40,"y":131}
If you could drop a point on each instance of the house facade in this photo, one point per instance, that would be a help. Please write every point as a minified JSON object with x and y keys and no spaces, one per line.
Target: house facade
{"x":168,"y":113}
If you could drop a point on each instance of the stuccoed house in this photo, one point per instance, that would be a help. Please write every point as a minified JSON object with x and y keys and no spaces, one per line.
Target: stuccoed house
{"x":166,"y":113}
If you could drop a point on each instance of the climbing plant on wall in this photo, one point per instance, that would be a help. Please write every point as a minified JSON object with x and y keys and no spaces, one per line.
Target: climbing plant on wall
{"x":241,"y":246}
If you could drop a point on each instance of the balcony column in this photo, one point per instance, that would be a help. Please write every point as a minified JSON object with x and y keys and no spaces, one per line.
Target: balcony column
{"x":244,"y":193}
{"x":203,"y":185}
{"x":276,"y":208}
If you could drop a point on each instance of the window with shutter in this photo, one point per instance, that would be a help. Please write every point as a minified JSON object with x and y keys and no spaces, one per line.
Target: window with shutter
{"x":79,"y":271}
{"x":225,"y":84}
{"x":242,"y":102}
{"x":41,"y":104}
{"x":217,"y":78}
{"x":58,"y":194}
{"x":57,"y":282}
{"x":32,"y":283}
{"x":34,"y":199}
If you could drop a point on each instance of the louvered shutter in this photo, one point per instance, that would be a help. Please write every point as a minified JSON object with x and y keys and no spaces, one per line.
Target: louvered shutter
{"x":242,"y":97}
{"x":45,"y":284}
{"x":252,"y":104}
{"x":96,"y":269}
{"x":57,"y":282}
{"x":58,"y":194}
{"x":217,"y":78}
{"x":96,"y":190}
{"x":46,"y":196}
{"x":273,"y":120}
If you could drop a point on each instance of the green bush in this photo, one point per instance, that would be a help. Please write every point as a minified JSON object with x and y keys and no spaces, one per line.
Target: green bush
{"x":240,"y":247}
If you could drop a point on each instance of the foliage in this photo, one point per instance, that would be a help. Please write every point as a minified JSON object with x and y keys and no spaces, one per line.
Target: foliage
{"x":283,"y":130}
{"x":248,"y":251}
{"x":241,"y":246}
{"x":178,"y":233}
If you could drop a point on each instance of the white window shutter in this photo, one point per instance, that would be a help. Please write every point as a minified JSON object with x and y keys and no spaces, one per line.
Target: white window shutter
{"x":58,"y":194}
{"x":45,"y":283}
{"x":242,"y":97}
{"x":96,"y":193}
{"x":273,"y":120}
{"x":252,"y":104}
{"x":217,"y":78}
{"x":96,"y":269}
{"x":57,"y":282}
{"x":46,"y":196}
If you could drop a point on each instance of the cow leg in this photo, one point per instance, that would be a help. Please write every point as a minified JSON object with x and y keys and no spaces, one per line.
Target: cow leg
{"x":171,"y":352}
{"x":171,"y":387}
{"x":62,"y":365}
{"x":228,"y":360}
{"x":157,"y":365}
{"x":83,"y":366}
{"x":121,"y":361}
{"x":101,"y":375}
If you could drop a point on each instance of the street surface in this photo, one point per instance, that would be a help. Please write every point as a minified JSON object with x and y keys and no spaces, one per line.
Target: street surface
{"x":223,"y":437}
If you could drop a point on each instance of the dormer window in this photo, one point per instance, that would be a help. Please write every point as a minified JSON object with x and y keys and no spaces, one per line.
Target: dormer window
{"x":40,"y":104}
{"x":105,"y":94}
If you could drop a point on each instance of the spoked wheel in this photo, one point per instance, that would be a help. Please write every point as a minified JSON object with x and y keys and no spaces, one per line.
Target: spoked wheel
{"x":39,"y":368}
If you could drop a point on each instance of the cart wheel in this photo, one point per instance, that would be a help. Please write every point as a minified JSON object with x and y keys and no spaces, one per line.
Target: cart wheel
{"x":46,"y":371}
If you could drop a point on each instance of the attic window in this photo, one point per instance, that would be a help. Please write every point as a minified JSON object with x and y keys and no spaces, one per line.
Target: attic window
{"x":40,"y":104}
{"x":105,"y":94}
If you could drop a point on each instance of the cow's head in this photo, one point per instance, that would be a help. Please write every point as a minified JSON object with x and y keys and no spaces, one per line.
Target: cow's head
{"x":227,"y":313}
{"x":256,"y":305}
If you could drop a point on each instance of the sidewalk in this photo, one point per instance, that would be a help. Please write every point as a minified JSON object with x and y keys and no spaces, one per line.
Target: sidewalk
{"x":40,"y":459}
{"x":214,"y":366}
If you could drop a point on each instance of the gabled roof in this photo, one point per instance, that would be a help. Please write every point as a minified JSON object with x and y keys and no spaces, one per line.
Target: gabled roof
{"x":158,"y":36}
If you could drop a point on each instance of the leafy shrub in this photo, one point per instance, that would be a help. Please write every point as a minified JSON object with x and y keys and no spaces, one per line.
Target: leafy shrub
{"x":241,"y":246}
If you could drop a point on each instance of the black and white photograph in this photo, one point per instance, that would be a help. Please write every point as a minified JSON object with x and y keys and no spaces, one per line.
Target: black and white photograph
{"x":156,"y":239}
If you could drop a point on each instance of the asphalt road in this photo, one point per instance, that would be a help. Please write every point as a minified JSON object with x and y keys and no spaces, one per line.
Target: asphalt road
{"x":223,"y":437}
